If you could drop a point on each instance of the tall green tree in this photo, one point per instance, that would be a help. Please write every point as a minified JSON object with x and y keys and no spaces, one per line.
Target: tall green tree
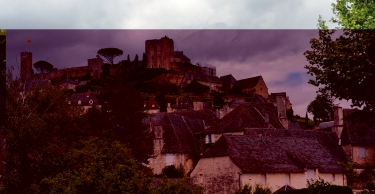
{"x":344,"y":67}
{"x":110,"y":53}
{"x":352,"y":14}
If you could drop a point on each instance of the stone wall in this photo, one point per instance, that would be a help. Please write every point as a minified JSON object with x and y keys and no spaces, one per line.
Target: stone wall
{"x":159,"y":52}
{"x":216,"y":175}
{"x":370,"y":155}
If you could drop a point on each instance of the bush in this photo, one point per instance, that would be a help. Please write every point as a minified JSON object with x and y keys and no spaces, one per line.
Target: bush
{"x":258,"y":189}
{"x":182,"y":186}
{"x":173,"y":172}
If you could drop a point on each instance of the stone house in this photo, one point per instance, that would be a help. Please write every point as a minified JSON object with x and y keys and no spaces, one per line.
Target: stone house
{"x":253,"y":85}
{"x":234,"y":161}
{"x":174,"y":137}
{"x":358,"y":141}
{"x":85,"y":100}
{"x":68,"y":84}
{"x":244,"y":116}
{"x":211,"y":81}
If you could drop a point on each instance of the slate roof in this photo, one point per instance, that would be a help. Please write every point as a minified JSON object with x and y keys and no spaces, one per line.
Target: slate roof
{"x":235,"y":103}
{"x":203,"y":77}
{"x":294,"y":126}
{"x":158,"y":117}
{"x":69,"y":81}
{"x":359,"y":134}
{"x":85,"y":99}
{"x":274,"y":154}
{"x":329,"y":140}
{"x":208,"y":116}
{"x":228,"y":79}
{"x":325,"y":125}
{"x":178,"y":133}
{"x":246,"y":116}
{"x":248,"y":82}
{"x":184,"y":104}
{"x":34,"y":84}
{"x":284,"y":188}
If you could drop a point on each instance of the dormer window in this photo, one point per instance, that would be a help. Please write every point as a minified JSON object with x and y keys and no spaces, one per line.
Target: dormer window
{"x":152,"y":106}
{"x":79,"y":102}
{"x":69,"y":102}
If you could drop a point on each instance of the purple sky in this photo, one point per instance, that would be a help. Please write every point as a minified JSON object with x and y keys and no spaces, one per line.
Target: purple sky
{"x":277,"y":55}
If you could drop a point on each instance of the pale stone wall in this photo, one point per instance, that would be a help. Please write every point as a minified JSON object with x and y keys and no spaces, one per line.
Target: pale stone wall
{"x":334,"y":178}
{"x":217,"y":136}
{"x":370,"y":155}
{"x":261,"y":89}
{"x":216,"y":175}
{"x":157,"y":163}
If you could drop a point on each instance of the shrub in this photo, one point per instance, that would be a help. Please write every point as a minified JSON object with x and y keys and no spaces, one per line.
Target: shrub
{"x":173,"y":172}
{"x":258,"y":189}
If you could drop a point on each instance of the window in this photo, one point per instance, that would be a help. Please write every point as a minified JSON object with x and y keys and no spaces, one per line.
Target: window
{"x":212,"y":138}
{"x":333,"y":177}
{"x":201,"y":178}
{"x":361,"y":152}
{"x":91,"y":102}
{"x":287,"y":178}
{"x":79,"y":102}
{"x":310,"y":174}
{"x":169,"y":159}
{"x":207,"y":139}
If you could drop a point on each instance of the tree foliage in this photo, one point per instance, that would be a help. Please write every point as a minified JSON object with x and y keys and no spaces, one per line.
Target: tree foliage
{"x":196,"y":88}
{"x":43,"y":66}
{"x":354,"y":14}
{"x":110,"y":53}
{"x":180,"y":186}
{"x":257,"y":189}
{"x":321,"y":108}
{"x":344,"y":67}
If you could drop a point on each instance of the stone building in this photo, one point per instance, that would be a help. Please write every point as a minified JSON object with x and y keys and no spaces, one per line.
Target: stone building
{"x":159,"y":52}
{"x":26,"y":66}
{"x":253,"y":85}
{"x":237,"y":160}
{"x":211,"y":81}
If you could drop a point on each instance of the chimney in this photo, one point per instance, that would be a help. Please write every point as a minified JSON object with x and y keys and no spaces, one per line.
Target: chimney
{"x":338,"y":121}
{"x":281,"y":110}
{"x":158,"y":140}
{"x":88,"y":93}
{"x":267,"y":120}
{"x":152,"y":121}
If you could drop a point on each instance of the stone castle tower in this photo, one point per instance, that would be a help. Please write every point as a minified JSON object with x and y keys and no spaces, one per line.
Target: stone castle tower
{"x":26,"y":65}
{"x":159,"y":52}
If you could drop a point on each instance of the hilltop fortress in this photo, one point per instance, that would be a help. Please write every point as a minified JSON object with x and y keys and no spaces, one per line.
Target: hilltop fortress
{"x":159,"y":53}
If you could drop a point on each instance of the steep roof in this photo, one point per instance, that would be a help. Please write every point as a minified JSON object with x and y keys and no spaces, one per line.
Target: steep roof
{"x":284,"y":188}
{"x":328,"y":140}
{"x":178,"y":133}
{"x":228,"y":79}
{"x":248,"y":82}
{"x":245,"y":116}
{"x":151,"y":105}
{"x":274,"y":155}
{"x":294,"y":125}
{"x":180,"y":54}
{"x":208,"y":116}
{"x":325,"y":125}
{"x":357,"y":134}
{"x":87,"y":99}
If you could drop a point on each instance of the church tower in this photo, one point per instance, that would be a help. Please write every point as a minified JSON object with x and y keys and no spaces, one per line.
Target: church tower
{"x":26,"y":66}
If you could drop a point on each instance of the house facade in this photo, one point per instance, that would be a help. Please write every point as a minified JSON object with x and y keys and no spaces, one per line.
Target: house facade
{"x":235,"y":161}
{"x":253,"y":85}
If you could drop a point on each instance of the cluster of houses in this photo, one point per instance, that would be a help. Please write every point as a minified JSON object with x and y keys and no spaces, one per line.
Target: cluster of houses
{"x":254,"y":143}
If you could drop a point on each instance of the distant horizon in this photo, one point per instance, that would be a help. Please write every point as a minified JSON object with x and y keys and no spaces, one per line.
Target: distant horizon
{"x":276,"y":55}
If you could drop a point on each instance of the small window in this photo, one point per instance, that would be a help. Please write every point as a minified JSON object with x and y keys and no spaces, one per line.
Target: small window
{"x":91,"y":102}
{"x":152,"y":106}
{"x":201,"y":178}
{"x":333,"y":177}
{"x":69,"y":102}
{"x":263,"y":178}
{"x":79,"y":102}
{"x":207,"y":139}
{"x":212,"y":138}
{"x":169,"y":159}
{"x":361,"y":152}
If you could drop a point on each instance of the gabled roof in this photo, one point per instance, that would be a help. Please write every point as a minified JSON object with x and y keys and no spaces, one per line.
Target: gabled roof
{"x":34,"y":84}
{"x":246,"y":116}
{"x":208,"y":116}
{"x":87,"y":99}
{"x":284,"y":188}
{"x":248,"y":82}
{"x":178,"y":133}
{"x":274,"y":155}
{"x":228,"y":79}
{"x":235,"y":103}
{"x":151,"y":105}
{"x":328,"y":140}
{"x":357,"y":134}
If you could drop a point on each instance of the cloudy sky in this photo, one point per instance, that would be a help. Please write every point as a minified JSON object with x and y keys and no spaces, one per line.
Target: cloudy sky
{"x":273,"y":48}
{"x":277,"y":55}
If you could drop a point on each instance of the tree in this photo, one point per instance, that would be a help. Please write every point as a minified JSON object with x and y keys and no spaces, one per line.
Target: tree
{"x":196,"y":88}
{"x":321,"y":108}
{"x":110,"y":53}
{"x":43,"y":66}
{"x":344,"y":67}
{"x":307,"y":120}
{"x":136,"y":59}
{"x":98,"y":166}
{"x":354,"y":14}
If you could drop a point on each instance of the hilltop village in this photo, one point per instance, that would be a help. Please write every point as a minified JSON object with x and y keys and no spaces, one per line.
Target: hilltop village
{"x":221,"y":132}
